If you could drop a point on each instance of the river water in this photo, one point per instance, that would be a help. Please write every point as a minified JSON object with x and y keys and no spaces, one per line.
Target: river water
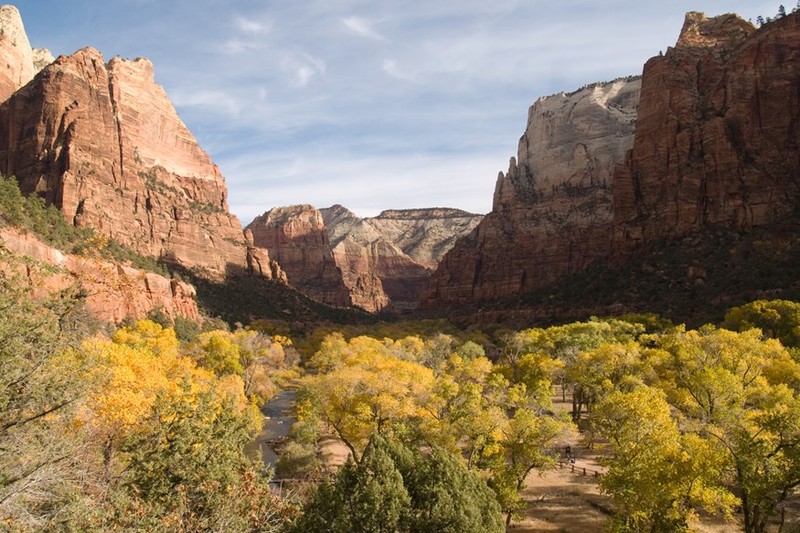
{"x":278,"y":419}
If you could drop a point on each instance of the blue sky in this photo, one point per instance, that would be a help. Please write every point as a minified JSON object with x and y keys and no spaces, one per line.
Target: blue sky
{"x":370,"y":104}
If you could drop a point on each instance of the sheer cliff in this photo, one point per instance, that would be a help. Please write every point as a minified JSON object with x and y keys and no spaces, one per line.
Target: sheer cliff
{"x":552,"y":210}
{"x":706,"y":140}
{"x":717,"y":134}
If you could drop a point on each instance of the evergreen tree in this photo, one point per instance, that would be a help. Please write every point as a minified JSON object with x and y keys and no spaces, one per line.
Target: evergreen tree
{"x":397,"y":489}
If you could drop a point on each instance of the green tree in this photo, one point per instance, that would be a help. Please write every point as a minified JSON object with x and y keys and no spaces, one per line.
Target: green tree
{"x":188,"y":458}
{"x":366,"y":497}
{"x":41,"y":383}
{"x":397,"y":489}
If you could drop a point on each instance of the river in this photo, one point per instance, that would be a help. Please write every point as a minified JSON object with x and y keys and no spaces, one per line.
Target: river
{"x":278,"y":419}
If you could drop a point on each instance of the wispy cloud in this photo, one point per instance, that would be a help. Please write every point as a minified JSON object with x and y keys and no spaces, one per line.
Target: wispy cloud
{"x":391,"y":68}
{"x":362,"y":27}
{"x":303,"y":68}
{"x":252,"y":27}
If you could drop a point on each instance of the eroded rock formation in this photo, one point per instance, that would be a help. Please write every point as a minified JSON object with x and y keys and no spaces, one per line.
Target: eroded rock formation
{"x":336,"y":257}
{"x":552,"y":210}
{"x":16,"y":55}
{"x":104,"y":144}
{"x":295,"y":237}
{"x":113,"y":292}
{"x":425,"y":235}
{"x":717,"y":134}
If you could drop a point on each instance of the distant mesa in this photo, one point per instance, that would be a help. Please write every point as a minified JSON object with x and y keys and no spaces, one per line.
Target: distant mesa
{"x":375,"y":263}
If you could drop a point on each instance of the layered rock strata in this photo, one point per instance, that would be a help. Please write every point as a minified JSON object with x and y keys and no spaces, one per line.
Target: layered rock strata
{"x":105,"y":145}
{"x":113,"y":292}
{"x":425,"y":235}
{"x":717,"y":134}
{"x":296,"y":238}
{"x":552,"y":211}
{"x":336,"y":257}
{"x":376,"y":272}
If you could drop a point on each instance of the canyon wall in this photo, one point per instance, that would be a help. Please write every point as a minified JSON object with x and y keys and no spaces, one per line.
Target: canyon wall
{"x":104,"y":144}
{"x":717,"y":134}
{"x":552,"y":211}
{"x":427,"y":234}
{"x":296,"y":238}
{"x":716,"y":121}
{"x":376,"y":263}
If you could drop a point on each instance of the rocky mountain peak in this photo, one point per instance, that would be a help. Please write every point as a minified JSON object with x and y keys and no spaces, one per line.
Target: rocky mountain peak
{"x":41,"y":58}
{"x":16,"y":55}
{"x":103,"y":142}
{"x":723,"y":31}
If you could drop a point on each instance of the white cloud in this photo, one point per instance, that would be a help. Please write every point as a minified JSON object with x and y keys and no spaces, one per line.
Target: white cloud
{"x":391,"y":68}
{"x":252,"y":27}
{"x":361,"y":26}
{"x":303,"y":68}
{"x":210,"y":100}
{"x":238,"y":46}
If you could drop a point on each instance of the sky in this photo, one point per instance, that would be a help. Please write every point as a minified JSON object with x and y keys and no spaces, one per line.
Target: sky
{"x":372,"y":104}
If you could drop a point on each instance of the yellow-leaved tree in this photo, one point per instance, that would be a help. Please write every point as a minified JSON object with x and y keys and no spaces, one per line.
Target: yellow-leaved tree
{"x":363,"y":388}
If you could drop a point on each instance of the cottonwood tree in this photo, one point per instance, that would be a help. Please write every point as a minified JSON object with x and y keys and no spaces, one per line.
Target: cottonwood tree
{"x":657,"y":475}
{"x":364,"y":388}
{"x":740,"y":391}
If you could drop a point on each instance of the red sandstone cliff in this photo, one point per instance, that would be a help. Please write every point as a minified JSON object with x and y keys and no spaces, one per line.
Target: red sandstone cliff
{"x":552,"y":210}
{"x":296,"y":238}
{"x":717,"y":134}
{"x":104,"y":144}
{"x":716,"y":144}
{"x":113,"y":292}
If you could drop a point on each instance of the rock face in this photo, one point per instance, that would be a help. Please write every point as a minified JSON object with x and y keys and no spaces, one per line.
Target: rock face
{"x":338,"y":258}
{"x":552,"y":210}
{"x":16,"y":57}
{"x":296,"y":238}
{"x":104,"y":144}
{"x":425,"y":235}
{"x":716,"y":144}
{"x":386,"y":260}
{"x":717,"y":134}
{"x":113,"y":292}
